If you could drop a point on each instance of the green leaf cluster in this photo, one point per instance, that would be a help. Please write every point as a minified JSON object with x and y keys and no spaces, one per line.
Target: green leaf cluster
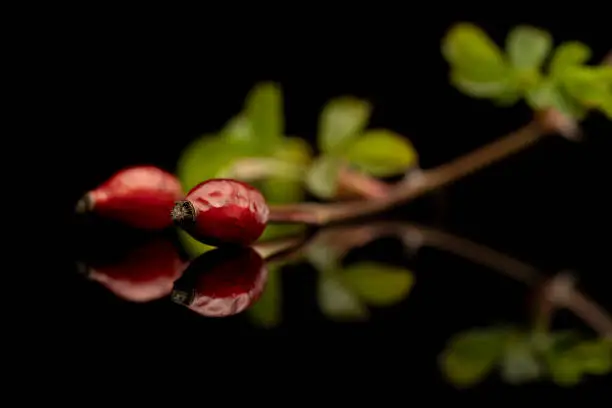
{"x":529,"y":68}
{"x":521,"y":357}
{"x":344,"y":140}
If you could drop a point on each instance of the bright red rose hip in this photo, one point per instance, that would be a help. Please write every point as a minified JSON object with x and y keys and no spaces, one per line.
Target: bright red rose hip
{"x":140,"y":196}
{"x":222,"y":211}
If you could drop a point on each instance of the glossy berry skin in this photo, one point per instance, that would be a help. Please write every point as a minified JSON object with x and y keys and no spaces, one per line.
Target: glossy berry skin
{"x":145,"y":274}
{"x":222,"y":282}
{"x":223,"y":211}
{"x":140,"y":196}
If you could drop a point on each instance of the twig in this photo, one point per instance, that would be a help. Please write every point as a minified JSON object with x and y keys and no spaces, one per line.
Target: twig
{"x":415,"y":186}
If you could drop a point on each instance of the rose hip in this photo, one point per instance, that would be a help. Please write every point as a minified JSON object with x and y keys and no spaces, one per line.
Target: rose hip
{"x":140,"y":196}
{"x":146,"y":273}
{"x":222,"y":282}
{"x":222,"y":211}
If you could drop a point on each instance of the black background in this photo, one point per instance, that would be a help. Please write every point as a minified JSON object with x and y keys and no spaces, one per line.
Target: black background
{"x":132,"y":96}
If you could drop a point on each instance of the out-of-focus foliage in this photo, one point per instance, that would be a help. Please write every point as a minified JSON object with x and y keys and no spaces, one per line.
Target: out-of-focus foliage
{"x":344,"y":140}
{"x":523,"y":356}
{"x":253,"y":147}
{"x":479,"y":68}
{"x":345,"y":293}
{"x":267,"y":311}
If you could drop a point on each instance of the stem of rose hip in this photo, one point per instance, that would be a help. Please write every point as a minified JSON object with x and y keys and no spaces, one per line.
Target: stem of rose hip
{"x":418,"y":184}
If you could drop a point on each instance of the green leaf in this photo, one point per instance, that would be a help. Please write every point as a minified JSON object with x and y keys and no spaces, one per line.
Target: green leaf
{"x":192,"y":246}
{"x":294,"y":150}
{"x":470,"y":356}
{"x":520,"y":365}
{"x":322,"y":257}
{"x":568,"y":55}
{"x":341,"y":120}
{"x":322,"y":177}
{"x":238,"y":132}
{"x":267,"y":311}
{"x":592,"y":86}
{"x":549,"y":95}
{"x":378,"y":284}
{"x":337,"y":301}
{"x":264,"y":109}
{"x":281,"y":191}
{"x":205,"y":158}
{"x":382,"y":153}
{"x":505,"y":90}
{"x":528,"y":47}
{"x":473,"y":56}
{"x":565,"y":371}
{"x":594,"y":356}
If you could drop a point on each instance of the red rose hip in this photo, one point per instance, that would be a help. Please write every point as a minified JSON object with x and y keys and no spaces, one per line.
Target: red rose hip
{"x":140,"y":196}
{"x":222,"y":211}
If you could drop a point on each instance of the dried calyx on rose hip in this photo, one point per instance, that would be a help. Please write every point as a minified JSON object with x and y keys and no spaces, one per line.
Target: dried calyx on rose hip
{"x":222,"y":212}
{"x":140,"y":196}
{"x":222,"y":282}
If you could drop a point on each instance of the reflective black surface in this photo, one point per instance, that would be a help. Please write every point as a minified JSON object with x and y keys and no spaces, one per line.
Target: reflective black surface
{"x":547,"y":208}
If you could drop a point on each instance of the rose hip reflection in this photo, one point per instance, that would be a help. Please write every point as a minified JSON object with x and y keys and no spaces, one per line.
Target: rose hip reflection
{"x":222,"y":282}
{"x":145,"y":274}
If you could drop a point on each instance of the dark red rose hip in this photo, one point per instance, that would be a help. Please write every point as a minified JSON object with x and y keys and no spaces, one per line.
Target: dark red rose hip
{"x":222,"y":211}
{"x":139,"y":196}
{"x":222,"y":282}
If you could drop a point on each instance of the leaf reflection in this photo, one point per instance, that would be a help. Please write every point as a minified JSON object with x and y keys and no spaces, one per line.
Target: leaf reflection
{"x":522,"y":355}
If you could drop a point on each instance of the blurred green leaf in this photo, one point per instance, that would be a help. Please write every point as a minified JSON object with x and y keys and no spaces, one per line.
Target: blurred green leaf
{"x":382,"y":153}
{"x":549,"y":95}
{"x":342,"y":120}
{"x":281,"y":191}
{"x":238,"y":132}
{"x":267,"y":311}
{"x":322,"y":177}
{"x":322,"y":257}
{"x":564,"y":370}
{"x":274,"y":231}
{"x":470,"y":356}
{"x":294,"y":150}
{"x":205,"y":158}
{"x":264,"y":109}
{"x":519,"y":364}
{"x":528,"y":47}
{"x":568,"y":55}
{"x":475,"y":59}
{"x":592,"y":86}
{"x":337,"y":301}
{"x":505,"y":90}
{"x":378,"y":284}
{"x":191,"y":245}
{"x":595,"y":356}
